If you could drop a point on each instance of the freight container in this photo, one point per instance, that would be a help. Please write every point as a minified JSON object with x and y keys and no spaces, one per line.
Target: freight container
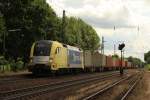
{"x":98,"y":60}
{"x":103,"y":60}
{"x":118,"y":63}
{"x":109,"y":63}
{"x":122,"y":63}
{"x":114,"y":63}
{"x":93,"y":60}
{"x":88,"y":59}
{"x":129,"y":64}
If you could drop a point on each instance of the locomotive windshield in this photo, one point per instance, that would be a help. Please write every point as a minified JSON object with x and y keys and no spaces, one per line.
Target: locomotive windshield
{"x":42,"y":49}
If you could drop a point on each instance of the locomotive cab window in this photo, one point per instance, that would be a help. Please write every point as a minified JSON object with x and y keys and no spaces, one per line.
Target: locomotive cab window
{"x":42,"y":49}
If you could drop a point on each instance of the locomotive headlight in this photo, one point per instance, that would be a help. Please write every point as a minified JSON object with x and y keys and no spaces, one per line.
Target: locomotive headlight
{"x":51,"y":60}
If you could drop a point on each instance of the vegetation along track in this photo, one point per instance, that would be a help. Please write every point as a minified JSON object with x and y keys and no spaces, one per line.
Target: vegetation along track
{"x":36,"y":90}
{"x":133,"y":80}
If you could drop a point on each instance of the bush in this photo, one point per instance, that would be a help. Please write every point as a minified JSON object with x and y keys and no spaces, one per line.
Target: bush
{"x":3,"y":61}
{"x":147,"y":66}
{"x":4,"y":64}
{"x":18,"y":65}
{"x":13,"y":66}
{"x":10,"y":65}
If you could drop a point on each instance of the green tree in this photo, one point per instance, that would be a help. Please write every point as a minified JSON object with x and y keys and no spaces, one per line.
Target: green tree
{"x":135,"y":61}
{"x":147,"y":57}
{"x":2,"y":31}
{"x":115,"y":56}
{"x":34,"y":18}
{"x":80,"y":34}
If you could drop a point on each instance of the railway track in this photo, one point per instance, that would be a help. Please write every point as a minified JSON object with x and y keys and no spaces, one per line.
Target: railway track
{"x":37,"y":90}
{"x":131,"y":87}
{"x":136,"y":78}
{"x":25,"y":78}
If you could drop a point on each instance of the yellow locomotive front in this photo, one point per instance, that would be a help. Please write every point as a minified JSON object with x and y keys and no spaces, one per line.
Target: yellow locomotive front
{"x":40,"y":56}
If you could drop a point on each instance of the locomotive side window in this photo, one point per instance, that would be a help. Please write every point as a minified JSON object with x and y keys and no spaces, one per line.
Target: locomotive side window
{"x":42,"y":49}
{"x":58,"y":49}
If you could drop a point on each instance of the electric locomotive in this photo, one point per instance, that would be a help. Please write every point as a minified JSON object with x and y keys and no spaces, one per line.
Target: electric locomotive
{"x":52,"y":56}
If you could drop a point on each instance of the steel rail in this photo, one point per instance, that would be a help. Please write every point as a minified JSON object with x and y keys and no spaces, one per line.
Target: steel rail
{"x":106,"y":88}
{"x":13,"y":79}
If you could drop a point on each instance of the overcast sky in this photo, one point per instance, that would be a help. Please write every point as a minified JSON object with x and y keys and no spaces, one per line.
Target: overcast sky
{"x":103,"y":15}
